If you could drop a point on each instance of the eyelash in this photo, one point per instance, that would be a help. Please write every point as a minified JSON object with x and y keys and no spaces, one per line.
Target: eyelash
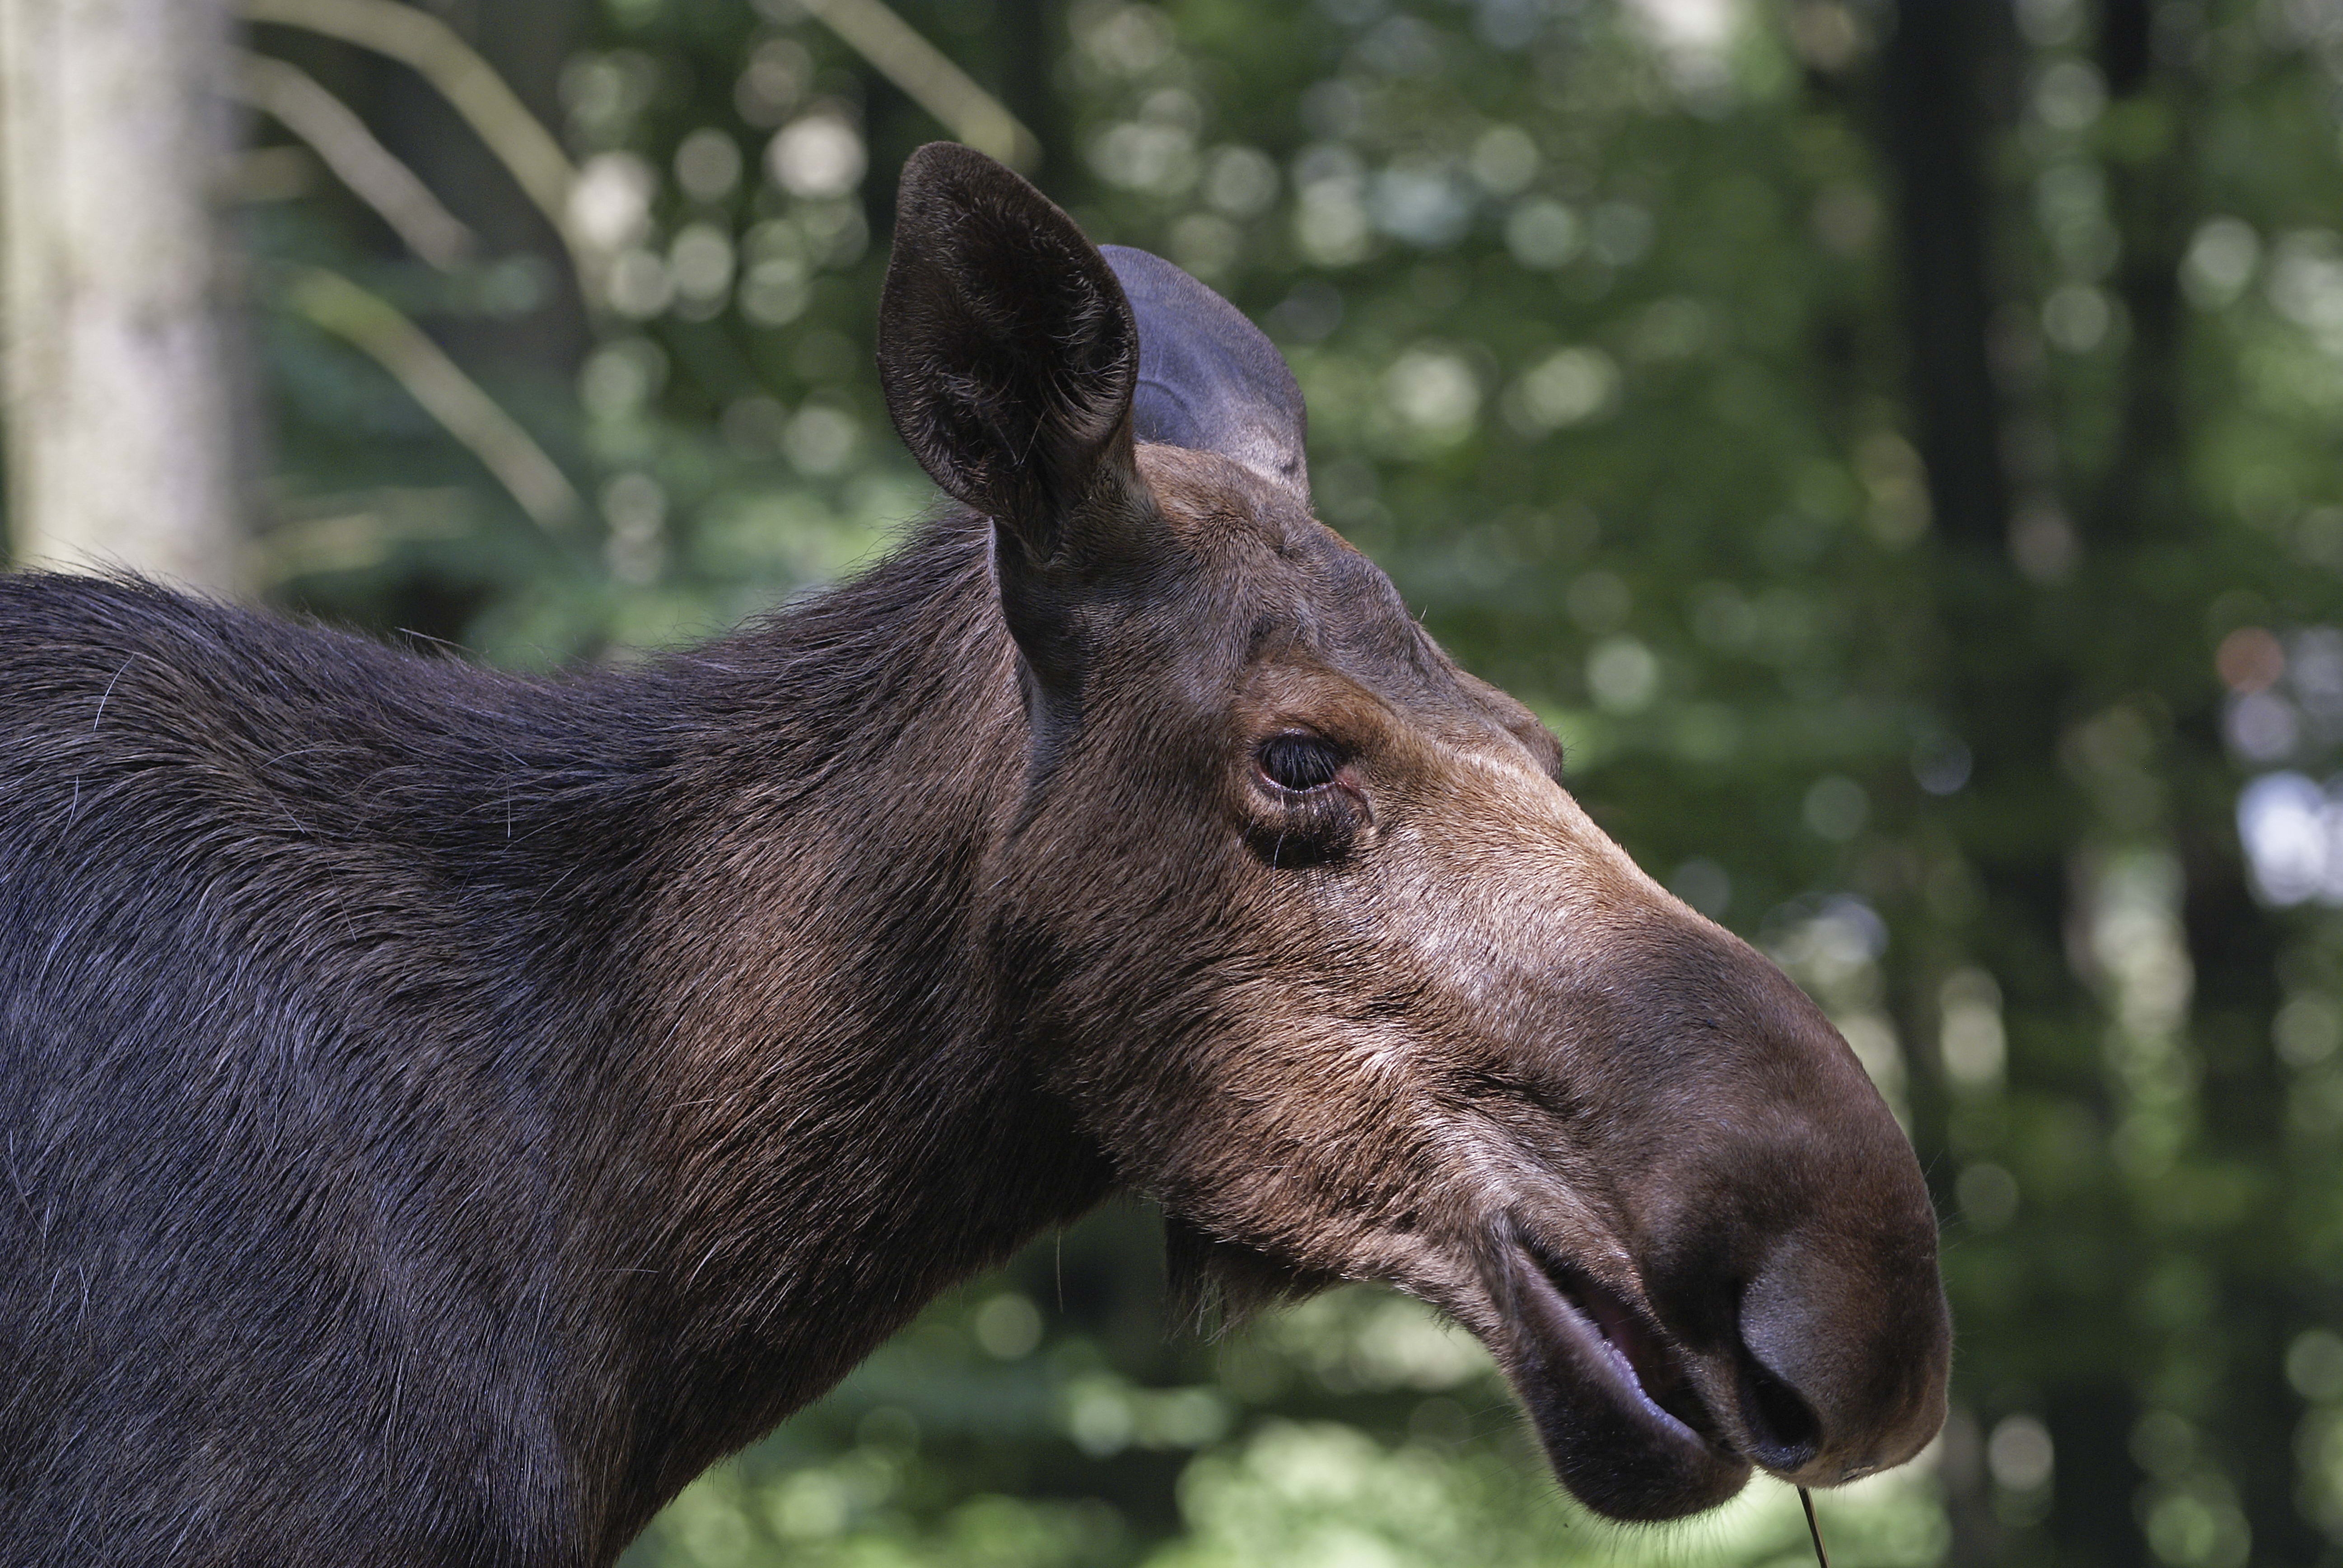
{"x":1300,"y":763}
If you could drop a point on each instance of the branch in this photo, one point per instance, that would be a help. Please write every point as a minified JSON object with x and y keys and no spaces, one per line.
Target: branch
{"x":929,"y":78}
{"x":348,"y":541}
{"x":470,"y":85}
{"x":341,"y":139}
{"x":373,"y":323}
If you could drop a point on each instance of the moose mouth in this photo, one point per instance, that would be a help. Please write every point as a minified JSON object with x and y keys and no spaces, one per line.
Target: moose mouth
{"x":1610,"y":1396}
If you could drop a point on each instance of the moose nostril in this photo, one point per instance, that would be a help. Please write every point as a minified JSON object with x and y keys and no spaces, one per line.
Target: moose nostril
{"x":1783,"y":1433}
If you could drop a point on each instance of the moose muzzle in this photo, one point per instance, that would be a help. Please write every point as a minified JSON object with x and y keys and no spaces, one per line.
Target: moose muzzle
{"x":1754,"y":1283}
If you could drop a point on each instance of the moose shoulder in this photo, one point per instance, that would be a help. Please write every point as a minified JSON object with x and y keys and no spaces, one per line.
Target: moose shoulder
{"x":441,"y":1112}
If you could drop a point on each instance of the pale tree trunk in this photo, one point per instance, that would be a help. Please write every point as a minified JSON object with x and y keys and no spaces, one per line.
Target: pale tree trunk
{"x":123,"y":430}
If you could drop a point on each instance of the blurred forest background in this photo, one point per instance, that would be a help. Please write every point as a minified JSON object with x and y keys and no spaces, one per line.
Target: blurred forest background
{"x":1893,"y":444}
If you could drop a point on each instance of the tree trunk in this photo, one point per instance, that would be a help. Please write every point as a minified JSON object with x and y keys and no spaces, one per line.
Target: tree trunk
{"x":1935,"y":126}
{"x":2010,"y":694}
{"x":123,"y":394}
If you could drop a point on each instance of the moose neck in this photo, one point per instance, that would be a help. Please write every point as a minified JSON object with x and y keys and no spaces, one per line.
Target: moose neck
{"x":833,"y":1119}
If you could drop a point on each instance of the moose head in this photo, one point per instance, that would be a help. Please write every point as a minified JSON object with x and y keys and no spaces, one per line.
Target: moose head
{"x":1300,"y":923}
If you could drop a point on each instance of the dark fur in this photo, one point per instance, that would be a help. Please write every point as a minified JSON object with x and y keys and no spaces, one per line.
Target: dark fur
{"x":341,"y":1161}
{"x":442,"y":1111}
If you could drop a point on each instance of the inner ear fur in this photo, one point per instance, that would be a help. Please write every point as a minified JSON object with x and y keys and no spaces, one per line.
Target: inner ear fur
{"x":1007,"y":351}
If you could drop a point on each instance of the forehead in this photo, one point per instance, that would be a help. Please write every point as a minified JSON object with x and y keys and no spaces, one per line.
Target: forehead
{"x":1282,"y":588}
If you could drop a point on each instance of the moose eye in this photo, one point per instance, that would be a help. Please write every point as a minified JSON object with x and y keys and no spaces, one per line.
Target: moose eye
{"x":1300,"y":762}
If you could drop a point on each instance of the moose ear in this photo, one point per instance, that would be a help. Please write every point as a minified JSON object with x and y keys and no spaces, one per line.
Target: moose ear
{"x":1210,"y":379}
{"x":1006,"y":349}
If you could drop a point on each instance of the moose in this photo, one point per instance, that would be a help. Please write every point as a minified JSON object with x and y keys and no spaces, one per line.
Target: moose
{"x":442,"y":1111}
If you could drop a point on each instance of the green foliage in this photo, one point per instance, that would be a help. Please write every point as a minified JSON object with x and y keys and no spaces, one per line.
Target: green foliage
{"x":1598,"y":316}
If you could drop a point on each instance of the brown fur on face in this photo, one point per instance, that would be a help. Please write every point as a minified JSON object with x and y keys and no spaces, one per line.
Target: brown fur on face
{"x":1436,"y":1028}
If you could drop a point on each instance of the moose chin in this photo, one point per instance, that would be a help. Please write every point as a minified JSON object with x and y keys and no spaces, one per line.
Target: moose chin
{"x":446,"y":1110}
